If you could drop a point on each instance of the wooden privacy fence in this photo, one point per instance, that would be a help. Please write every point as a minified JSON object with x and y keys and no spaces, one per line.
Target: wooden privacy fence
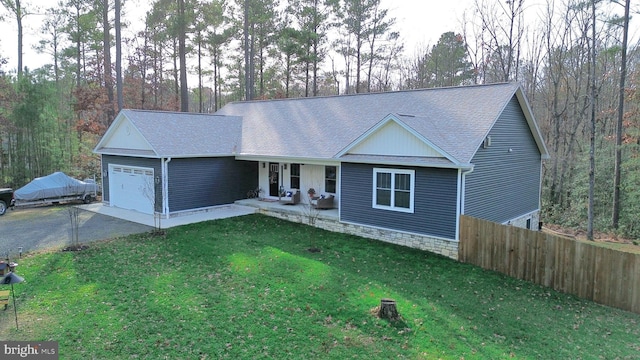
{"x":595,"y":273}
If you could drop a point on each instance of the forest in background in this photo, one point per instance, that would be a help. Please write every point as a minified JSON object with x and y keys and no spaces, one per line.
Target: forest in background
{"x":575,"y":62}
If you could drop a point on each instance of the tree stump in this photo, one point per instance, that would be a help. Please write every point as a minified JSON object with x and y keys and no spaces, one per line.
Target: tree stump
{"x":388,"y":310}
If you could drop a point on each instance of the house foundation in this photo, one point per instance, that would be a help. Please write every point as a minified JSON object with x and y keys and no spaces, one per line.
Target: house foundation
{"x":529,"y":221}
{"x":448,"y":248}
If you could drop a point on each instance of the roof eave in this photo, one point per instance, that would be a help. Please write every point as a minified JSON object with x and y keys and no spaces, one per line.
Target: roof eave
{"x":463,"y":167}
{"x":126,"y":152}
{"x":535,"y":130}
{"x":289,"y":159}
{"x":176,"y":156}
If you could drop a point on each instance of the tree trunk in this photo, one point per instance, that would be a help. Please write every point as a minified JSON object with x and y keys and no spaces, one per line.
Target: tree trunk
{"x":247,"y":70}
{"x":16,"y":9}
{"x":315,"y":66}
{"x":119,"y":60}
{"x":184,"y":91}
{"x":143,"y":74}
{"x":19,"y":19}
{"x":592,"y":147}
{"x":176,"y":74}
{"x":78,"y":47}
{"x":618,"y":161}
{"x":252,"y":63}
{"x":200,"y":102}
{"x":358,"y":61}
{"x":388,"y":310}
{"x":108,"y":76}
{"x":157,"y":72}
{"x":215,"y":79}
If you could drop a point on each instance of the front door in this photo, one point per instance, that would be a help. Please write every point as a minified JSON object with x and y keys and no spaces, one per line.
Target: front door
{"x":274,"y":179}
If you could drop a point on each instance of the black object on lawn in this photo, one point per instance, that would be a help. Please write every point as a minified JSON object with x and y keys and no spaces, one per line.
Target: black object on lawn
{"x":10,"y":279}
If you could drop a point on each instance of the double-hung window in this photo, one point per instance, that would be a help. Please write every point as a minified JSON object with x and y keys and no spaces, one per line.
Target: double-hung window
{"x":393,"y":189}
{"x":295,"y":176}
{"x":330,"y":176}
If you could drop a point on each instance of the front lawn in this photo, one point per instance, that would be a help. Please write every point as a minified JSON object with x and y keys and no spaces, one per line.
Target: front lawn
{"x":248,"y":287}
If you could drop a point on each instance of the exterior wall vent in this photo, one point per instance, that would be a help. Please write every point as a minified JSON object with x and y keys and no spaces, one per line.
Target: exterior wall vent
{"x":487,"y":142}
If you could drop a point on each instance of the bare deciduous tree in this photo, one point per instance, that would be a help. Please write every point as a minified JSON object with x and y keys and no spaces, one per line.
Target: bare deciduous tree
{"x":18,"y":11}
{"x":618,"y":159}
{"x":503,"y":24}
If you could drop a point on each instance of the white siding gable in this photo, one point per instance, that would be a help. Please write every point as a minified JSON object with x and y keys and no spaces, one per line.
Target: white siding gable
{"x":126,"y":136}
{"x":391,"y":139}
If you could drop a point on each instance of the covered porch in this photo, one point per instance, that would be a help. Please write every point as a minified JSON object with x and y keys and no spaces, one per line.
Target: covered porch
{"x":301,"y":212}
{"x":278,"y":177}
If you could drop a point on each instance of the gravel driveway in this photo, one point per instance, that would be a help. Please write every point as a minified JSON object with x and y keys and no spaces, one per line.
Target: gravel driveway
{"x":43,"y":227}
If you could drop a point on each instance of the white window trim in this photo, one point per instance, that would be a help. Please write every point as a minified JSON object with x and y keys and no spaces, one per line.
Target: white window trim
{"x":393,"y":172}
{"x":326,"y":179}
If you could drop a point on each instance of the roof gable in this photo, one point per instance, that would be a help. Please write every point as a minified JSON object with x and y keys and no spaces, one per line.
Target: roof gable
{"x":390,"y":137}
{"x":172,"y":134}
{"x":124,"y":135}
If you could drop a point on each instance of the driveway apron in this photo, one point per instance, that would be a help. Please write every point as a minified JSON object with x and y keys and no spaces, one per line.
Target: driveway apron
{"x":47,"y":227}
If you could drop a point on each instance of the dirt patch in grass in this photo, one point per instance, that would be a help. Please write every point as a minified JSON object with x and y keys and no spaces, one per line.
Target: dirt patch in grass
{"x":75,"y":248}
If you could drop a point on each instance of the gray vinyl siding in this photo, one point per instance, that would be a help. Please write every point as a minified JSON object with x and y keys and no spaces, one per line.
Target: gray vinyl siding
{"x":155,"y":164}
{"x":434,"y":201}
{"x":202,"y":182}
{"x":505,"y":184}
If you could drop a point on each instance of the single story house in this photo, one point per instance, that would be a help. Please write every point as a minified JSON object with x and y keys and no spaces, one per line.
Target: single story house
{"x":408,"y":162}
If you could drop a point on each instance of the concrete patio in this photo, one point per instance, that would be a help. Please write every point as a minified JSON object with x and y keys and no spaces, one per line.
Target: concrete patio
{"x":241,"y":207}
{"x":274,"y":206}
{"x":218,"y":212}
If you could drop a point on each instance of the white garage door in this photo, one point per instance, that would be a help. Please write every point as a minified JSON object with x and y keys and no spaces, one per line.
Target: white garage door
{"x":131,"y":188}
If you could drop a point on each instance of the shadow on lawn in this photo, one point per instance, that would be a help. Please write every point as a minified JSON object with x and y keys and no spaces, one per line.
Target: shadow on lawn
{"x":347,"y":256}
{"x":453,"y":295}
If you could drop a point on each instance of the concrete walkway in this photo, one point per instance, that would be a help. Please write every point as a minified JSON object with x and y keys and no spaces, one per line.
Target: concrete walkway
{"x":218,"y":212}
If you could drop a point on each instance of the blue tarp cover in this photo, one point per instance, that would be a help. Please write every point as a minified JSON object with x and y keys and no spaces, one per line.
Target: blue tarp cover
{"x":55,"y":185}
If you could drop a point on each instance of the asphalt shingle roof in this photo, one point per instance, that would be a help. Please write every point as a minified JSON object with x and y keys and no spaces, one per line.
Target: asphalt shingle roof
{"x":187,"y":134}
{"x":455,"y":119}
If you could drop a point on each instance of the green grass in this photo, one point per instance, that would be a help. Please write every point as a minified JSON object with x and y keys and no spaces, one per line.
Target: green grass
{"x":248,"y":288}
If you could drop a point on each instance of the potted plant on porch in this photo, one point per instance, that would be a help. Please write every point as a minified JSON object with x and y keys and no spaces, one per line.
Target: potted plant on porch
{"x":311,"y":192}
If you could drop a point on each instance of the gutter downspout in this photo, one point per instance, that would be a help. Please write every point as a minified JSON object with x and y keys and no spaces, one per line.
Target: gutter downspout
{"x":539,"y":224}
{"x":102,"y":178}
{"x":462,"y":174}
{"x":165,"y":187}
